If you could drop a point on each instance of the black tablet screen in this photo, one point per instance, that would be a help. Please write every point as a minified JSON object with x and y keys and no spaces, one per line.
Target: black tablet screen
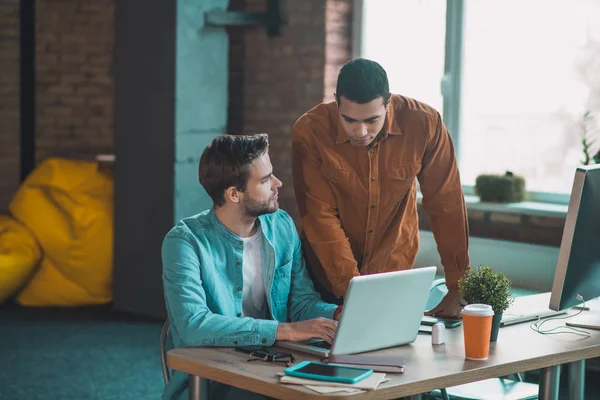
{"x":331,"y":370}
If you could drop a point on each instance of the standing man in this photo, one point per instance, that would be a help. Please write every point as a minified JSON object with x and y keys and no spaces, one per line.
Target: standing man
{"x":355,"y":161}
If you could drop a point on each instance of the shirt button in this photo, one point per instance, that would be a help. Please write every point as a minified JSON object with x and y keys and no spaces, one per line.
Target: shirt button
{"x":372,"y":205}
{"x":241,"y":242}
{"x":264,"y":341}
{"x":235,"y":342}
{"x":239,"y":289}
{"x":335,"y":179}
{"x":373,"y":179}
{"x":239,"y":314}
{"x":238,"y":263}
{"x":372,"y":151}
{"x":370,"y":230}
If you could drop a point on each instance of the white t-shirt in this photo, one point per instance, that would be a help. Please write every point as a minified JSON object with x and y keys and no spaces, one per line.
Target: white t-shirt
{"x":253,"y":295}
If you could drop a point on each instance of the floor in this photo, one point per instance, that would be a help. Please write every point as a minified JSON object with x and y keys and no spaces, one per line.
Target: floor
{"x":82,"y":353}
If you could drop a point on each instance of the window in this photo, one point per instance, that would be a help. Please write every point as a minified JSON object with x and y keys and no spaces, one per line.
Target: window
{"x":517,"y":79}
{"x":392,"y":37}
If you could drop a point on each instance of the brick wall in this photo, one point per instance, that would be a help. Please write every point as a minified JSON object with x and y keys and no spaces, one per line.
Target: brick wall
{"x":9,"y":101}
{"x":283,"y":78}
{"x":338,"y":42}
{"x":74,"y":104}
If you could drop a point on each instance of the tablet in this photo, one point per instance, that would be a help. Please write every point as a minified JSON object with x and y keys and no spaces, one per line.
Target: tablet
{"x":449,"y":323}
{"x":328,"y":372}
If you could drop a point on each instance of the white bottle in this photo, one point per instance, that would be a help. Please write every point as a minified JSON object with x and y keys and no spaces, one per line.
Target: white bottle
{"x":438,"y":331}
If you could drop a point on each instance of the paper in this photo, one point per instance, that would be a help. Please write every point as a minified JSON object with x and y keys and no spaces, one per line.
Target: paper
{"x":369,"y":383}
{"x":330,"y":389}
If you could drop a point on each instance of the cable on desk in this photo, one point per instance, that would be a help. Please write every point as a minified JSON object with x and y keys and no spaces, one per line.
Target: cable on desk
{"x":537,"y":325}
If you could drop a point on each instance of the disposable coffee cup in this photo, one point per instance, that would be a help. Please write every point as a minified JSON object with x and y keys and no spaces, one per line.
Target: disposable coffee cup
{"x":477,"y":327}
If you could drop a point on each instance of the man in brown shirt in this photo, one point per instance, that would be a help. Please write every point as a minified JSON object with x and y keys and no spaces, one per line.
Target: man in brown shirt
{"x":355,"y":161}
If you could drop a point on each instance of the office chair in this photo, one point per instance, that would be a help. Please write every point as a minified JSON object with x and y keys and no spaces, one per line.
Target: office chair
{"x":164,"y":335}
{"x":497,"y":388}
{"x":436,"y":293}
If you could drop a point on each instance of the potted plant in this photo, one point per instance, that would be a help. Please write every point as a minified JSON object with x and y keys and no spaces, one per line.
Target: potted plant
{"x":587,"y":141}
{"x":482,"y":285}
{"x":507,"y":188}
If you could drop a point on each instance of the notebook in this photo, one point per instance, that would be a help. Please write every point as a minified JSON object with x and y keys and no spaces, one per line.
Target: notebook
{"x":393,"y":364}
{"x":369,"y":383}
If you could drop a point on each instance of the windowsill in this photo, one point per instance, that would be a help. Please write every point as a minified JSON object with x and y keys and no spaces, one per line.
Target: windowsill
{"x":532,"y":208}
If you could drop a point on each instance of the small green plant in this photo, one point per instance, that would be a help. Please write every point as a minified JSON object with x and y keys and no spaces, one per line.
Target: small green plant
{"x":482,"y":285}
{"x":507,"y":188}
{"x":586,"y":142}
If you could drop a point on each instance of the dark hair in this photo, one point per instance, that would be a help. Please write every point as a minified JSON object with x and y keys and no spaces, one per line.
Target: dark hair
{"x":362,"y":81}
{"x":226,"y":162}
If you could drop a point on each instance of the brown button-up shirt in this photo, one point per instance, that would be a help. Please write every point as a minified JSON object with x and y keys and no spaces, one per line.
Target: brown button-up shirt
{"x":358,"y":204}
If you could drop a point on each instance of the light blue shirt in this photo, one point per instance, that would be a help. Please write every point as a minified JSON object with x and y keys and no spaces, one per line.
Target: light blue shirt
{"x":203,"y":283}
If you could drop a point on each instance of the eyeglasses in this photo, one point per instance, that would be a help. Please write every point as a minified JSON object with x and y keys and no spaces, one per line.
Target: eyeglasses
{"x":271,"y":355}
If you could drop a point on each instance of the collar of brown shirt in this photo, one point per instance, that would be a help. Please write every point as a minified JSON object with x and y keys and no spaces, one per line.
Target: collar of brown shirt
{"x":391,"y":126}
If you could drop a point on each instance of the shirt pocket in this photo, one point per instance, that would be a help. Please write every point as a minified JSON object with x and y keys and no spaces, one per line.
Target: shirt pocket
{"x":281,"y":283}
{"x":341,"y":180}
{"x":399,"y":180}
{"x":338,"y":176}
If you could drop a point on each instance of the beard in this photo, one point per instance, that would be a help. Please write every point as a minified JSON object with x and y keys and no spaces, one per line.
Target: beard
{"x":254,"y":208}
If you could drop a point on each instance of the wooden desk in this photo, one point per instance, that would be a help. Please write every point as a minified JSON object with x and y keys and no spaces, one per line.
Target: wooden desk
{"x":427,"y":367}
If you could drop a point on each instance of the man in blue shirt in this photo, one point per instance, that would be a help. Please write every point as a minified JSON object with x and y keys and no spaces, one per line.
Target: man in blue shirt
{"x":234,"y":275}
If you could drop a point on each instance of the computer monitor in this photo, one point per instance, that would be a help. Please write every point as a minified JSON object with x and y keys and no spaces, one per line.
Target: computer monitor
{"x":578,"y":266}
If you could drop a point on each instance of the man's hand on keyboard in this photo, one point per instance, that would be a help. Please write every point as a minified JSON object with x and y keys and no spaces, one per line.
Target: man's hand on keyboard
{"x":321,"y":328}
{"x":449,"y":307}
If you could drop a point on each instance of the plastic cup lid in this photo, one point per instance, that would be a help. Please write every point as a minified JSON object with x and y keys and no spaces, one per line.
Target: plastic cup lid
{"x":478,"y":310}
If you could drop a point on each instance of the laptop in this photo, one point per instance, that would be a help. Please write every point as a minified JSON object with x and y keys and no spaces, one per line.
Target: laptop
{"x":381,"y":310}
{"x":527,"y":308}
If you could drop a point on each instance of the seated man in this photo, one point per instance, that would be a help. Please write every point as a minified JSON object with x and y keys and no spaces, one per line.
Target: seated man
{"x":234,"y":275}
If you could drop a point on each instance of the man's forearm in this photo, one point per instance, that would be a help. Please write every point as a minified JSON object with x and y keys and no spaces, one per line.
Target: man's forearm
{"x":218,"y":330}
{"x":451,"y":233}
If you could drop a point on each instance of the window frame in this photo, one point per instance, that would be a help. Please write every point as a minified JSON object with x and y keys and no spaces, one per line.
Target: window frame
{"x":451,"y":83}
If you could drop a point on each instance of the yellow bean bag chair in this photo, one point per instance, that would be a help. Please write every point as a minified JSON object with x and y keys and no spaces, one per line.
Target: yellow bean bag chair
{"x":19,"y":256}
{"x":68,"y":206}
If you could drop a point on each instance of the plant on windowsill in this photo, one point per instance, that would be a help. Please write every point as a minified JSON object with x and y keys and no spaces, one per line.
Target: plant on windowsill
{"x":482,"y":285}
{"x":586,"y":141}
{"x":507,"y":188}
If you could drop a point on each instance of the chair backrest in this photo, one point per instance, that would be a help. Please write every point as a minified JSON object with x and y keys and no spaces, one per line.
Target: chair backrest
{"x":164,"y":334}
{"x":436,"y":293}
